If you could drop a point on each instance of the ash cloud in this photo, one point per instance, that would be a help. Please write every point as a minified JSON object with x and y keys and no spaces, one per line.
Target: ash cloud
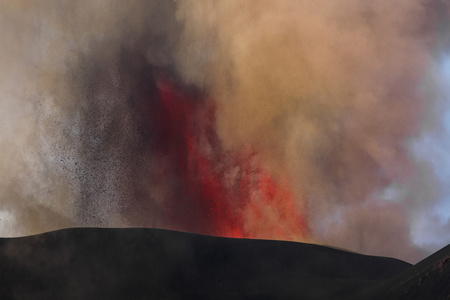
{"x":71,"y":73}
{"x":329,"y":92}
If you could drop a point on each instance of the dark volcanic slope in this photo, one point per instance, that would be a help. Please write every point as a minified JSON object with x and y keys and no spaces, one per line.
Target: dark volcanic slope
{"x":85,"y":263}
{"x":428,"y":279}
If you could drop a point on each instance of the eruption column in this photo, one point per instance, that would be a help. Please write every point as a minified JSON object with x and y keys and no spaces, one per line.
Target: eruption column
{"x":217,"y":192}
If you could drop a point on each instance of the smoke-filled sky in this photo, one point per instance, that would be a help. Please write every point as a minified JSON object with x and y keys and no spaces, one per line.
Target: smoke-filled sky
{"x":316,"y":121}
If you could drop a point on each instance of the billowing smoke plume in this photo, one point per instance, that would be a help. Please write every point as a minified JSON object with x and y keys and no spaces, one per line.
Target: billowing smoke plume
{"x":276,"y":119}
{"x":329,"y":92}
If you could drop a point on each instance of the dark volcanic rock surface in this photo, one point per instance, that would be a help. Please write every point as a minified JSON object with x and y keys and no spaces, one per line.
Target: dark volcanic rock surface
{"x":88,"y":263}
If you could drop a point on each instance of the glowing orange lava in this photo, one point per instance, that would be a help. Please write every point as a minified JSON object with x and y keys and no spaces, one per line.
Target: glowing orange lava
{"x":219,"y":193}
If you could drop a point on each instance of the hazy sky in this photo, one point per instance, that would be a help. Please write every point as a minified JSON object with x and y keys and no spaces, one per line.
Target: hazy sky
{"x":434,"y":146}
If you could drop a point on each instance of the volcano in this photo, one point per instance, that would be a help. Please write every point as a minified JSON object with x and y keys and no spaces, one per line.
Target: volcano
{"x":142,"y":263}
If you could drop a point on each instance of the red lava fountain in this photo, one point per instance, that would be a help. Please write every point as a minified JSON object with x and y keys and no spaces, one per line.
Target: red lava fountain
{"x":217,"y":192}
